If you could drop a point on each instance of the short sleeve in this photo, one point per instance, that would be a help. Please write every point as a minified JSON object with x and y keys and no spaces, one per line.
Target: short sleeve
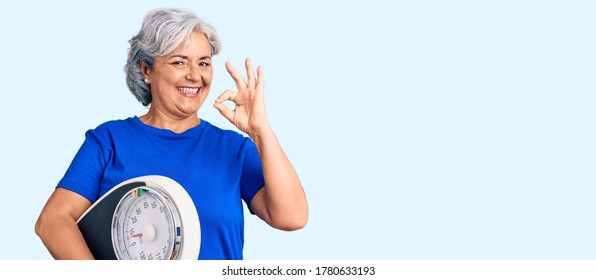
{"x":85,"y":172}
{"x":252,"y":179}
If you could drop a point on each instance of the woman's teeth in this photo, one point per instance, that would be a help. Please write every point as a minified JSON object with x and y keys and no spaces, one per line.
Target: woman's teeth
{"x":186,"y":90}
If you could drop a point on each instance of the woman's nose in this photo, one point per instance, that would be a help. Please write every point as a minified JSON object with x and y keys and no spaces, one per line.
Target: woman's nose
{"x":193,"y":73}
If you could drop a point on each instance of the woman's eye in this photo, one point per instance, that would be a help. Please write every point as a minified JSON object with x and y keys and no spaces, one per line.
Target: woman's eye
{"x":178,"y":63}
{"x":203,"y":64}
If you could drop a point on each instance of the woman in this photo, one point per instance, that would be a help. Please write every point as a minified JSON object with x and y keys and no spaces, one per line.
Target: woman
{"x":169,"y":67}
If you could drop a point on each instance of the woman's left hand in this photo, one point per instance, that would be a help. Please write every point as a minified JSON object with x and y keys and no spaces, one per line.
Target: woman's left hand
{"x":249,"y":113}
{"x":281,"y":202}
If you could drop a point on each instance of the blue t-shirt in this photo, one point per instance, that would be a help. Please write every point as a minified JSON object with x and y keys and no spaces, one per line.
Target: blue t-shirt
{"x":218,"y":168}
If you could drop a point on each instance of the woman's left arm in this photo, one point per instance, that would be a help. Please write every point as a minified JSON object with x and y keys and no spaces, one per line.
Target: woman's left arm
{"x":282,"y":202}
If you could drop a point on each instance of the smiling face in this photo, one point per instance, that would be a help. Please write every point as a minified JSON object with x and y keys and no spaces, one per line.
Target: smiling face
{"x":181,"y":80}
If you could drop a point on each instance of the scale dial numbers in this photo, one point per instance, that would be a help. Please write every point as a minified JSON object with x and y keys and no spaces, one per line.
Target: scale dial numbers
{"x":146,"y":226}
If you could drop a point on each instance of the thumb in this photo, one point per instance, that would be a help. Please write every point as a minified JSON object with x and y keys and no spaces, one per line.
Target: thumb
{"x":225,"y":111}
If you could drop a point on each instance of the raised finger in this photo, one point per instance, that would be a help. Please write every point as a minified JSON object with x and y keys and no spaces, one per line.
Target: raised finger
{"x":250,"y":75}
{"x":240,"y":82}
{"x":260,"y":78}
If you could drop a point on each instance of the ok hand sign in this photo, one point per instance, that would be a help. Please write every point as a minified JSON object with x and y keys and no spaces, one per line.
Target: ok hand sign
{"x":249,"y":113}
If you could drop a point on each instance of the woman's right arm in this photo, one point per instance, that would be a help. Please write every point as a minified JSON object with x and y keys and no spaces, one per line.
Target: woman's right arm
{"x":57,"y":225}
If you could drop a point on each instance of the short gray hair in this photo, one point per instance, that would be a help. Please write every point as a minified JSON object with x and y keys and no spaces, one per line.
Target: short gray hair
{"x":163,"y":30}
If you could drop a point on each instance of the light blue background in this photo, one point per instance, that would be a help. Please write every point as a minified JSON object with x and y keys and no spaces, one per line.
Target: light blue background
{"x":420,"y":129}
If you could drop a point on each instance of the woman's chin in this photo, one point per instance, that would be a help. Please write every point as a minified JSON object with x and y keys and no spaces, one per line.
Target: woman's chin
{"x":189,"y":109}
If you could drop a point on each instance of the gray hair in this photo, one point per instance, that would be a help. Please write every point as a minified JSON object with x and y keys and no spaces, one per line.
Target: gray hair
{"x":163,"y":30}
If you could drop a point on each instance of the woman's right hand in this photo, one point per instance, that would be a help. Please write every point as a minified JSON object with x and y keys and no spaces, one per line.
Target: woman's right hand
{"x":57,"y":225}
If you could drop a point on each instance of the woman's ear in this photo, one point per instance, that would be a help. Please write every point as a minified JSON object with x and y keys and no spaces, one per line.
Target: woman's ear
{"x":146,"y":71}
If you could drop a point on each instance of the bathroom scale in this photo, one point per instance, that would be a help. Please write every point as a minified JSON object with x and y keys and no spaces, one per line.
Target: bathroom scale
{"x":144,"y":218}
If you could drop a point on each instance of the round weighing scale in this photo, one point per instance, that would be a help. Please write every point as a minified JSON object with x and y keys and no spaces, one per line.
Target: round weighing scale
{"x":144,"y":218}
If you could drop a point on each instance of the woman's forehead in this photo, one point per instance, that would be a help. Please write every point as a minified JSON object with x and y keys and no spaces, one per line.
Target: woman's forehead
{"x":195,"y":46}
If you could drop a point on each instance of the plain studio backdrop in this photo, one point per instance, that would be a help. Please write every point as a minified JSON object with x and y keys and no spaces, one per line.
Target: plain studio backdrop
{"x":420,"y":129}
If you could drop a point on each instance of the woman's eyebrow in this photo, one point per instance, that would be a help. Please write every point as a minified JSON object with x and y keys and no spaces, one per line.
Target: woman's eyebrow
{"x":186,"y":57}
{"x":179,"y":56}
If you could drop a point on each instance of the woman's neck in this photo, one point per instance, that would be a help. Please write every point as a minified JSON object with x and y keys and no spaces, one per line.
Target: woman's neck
{"x":174,"y":123}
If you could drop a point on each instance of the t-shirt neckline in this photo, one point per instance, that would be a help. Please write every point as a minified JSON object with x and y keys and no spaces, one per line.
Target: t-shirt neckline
{"x":167,"y":132}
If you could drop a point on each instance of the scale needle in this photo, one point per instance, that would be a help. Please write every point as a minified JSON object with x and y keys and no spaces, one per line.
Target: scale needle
{"x":136,"y":235}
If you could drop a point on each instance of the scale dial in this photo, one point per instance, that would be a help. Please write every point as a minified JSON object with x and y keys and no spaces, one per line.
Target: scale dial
{"x":146,"y":226}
